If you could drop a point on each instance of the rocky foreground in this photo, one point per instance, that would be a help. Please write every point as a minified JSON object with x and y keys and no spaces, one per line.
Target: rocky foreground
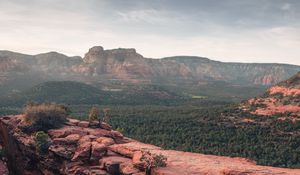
{"x":80,"y":148}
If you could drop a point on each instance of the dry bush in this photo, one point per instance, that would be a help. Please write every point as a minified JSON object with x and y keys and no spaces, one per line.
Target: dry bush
{"x":45,"y":116}
{"x":94,"y":114}
{"x":152,"y":161}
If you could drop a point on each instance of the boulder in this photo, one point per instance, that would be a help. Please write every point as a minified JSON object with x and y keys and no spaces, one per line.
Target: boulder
{"x":128,"y":169}
{"x":98,"y":132}
{"x":94,"y":124}
{"x":136,"y":160}
{"x":128,"y":149}
{"x":84,"y":124}
{"x":70,"y":139}
{"x":98,"y":150}
{"x":83,"y":151}
{"x":105,"y":126}
{"x":63,"y":151}
{"x":65,"y":131}
{"x":72,"y":122}
{"x":105,"y":140}
{"x":112,"y":164}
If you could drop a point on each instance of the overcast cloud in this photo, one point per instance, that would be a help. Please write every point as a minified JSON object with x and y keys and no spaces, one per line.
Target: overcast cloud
{"x":225,"y":30}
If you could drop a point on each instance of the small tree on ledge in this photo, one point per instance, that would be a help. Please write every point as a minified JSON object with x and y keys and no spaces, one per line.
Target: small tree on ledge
{"x":41,"y":141}
{"x":94,"y":114}
{"x":150,"y":161}
{"x":106,"y":115}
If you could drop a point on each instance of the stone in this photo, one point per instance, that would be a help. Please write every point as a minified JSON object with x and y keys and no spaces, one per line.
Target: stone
{"x":84,"y":124}
{"x":83,"y":151}
{"x":98,"y":132}
{"x":110,"y":153}
{"x":98,"y":150}
{"x":70,"y":139}
{"x":112,"y":164}
{"x":65,"y":131}
{"x":128,"y":169}
{"x":128,"y":149}
{"x":72,"y":122}
{"x":94,"y":124}
{"x":63,"y":151}
{"x":105,"y":140}
{"x":105,"y":126}
{"x":136,"y":160}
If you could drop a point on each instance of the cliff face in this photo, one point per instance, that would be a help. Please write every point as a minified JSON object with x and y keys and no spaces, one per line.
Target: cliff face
{"x":282,"y":100}
{"x":129,"y":66}
{"x":79,"y":148}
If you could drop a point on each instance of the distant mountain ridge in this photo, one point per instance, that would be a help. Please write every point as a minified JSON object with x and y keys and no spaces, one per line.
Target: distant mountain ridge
{"x":126,"y":65}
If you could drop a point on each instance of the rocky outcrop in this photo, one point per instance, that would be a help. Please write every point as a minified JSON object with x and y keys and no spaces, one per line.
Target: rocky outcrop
{"x":281,"y":100}
{"x":79,"y":149}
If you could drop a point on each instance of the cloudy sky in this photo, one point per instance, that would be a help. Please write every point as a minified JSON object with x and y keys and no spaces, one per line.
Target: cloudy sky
{"x":225,"y":30}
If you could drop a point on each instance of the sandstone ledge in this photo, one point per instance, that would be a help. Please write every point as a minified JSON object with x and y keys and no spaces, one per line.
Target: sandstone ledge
{"x":78,"y":149}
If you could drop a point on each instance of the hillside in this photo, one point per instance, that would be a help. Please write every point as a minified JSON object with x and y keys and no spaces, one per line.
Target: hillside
{"x":126,"y":66}
{"x":70,"y":92}
{"x":282,"y":100}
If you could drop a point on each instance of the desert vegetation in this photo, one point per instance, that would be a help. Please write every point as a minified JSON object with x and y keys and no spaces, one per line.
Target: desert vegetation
{"x":41,"y":117}
{"x":150,"y":161}
{"x":41,"y":141}
{"x":94,"y":114}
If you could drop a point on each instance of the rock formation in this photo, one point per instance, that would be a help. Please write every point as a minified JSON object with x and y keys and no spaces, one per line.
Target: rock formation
{"x":282,"y":100}
{"x":82,"y":148}
{"x":126,"y":65}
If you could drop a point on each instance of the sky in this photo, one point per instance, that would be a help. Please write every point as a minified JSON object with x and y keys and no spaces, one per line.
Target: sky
{"x":224,"y":30}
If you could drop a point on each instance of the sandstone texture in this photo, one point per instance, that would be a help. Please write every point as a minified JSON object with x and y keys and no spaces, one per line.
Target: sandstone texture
{"x":80,"y":150}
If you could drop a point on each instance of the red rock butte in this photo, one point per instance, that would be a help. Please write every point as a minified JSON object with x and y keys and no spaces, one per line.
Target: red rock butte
{"x":79,"y":148}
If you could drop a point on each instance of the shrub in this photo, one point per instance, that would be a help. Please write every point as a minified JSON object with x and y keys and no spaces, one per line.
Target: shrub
{"x":94,"y":114}
{"x":106,"y":115}
{"x":152,"y":161}
{"x":41,"y":141}
{"x":45,"y":116}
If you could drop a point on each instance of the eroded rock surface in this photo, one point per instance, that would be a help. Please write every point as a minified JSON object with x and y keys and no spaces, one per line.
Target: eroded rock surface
{"x":282,"y":99}
{"x":80,"y":150}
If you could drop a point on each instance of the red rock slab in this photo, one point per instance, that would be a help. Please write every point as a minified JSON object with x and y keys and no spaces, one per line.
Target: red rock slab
{"x":63,"y":151}
{"x":72,"y":122}
{"x":98,"y":150}
{"x":128,"y":169}
{"x":186,"y":163}
{"x":128,"y":149}
{"x":83,"y":124}
{"x":70,"y":139}
{"x":112,"y":164}
{"x":105,"y":140}
{"x":65,"y":131}
{"x":105,"y":126}
{"x":83,"y":151}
